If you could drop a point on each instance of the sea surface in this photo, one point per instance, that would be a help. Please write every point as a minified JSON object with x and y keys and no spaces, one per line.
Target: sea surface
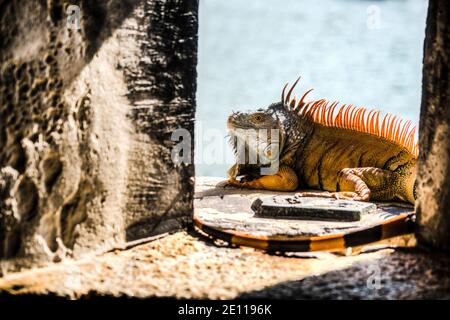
{"x":367,"y":53}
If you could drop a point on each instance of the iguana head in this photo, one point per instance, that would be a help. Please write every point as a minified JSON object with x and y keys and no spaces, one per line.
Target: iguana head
{"x":256,"y":137}
{"x":273,"y":133}
{"x":253,"y":125}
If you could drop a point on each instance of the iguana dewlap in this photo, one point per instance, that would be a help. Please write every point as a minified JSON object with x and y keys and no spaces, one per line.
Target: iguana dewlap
{"x":348,"y":151}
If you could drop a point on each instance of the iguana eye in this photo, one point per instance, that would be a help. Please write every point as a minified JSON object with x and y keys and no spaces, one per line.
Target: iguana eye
{"x":258,"y":117}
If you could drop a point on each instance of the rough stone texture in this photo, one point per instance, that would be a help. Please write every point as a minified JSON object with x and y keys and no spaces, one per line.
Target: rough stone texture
{"x":189,"y":265}
{"x":185,"y":266}
{"x":86,"y":118}
{"x":433,"y":207}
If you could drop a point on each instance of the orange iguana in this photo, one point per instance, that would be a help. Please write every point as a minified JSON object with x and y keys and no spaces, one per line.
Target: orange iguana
{"x":345,"y":150}
{"x":348,"y":151}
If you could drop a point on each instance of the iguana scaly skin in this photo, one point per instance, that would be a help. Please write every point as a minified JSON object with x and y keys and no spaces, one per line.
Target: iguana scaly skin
{"x":350,"y":152}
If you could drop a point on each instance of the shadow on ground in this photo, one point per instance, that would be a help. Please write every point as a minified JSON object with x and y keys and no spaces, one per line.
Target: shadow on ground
{"x":412,"y":274}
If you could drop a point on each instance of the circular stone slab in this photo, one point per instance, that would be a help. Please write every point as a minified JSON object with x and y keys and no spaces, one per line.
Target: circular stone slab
{"x":230,"y":210}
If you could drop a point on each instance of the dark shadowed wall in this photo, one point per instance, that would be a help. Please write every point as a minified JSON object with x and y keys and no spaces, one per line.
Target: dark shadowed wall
{"x":433,"y":207}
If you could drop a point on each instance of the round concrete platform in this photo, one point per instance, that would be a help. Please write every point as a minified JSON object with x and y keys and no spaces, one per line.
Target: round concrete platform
{"x":230,"y":210}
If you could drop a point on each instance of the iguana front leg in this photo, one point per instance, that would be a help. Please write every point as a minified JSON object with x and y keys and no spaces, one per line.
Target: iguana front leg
{"x":362,"y":184}
{"x":285,"y":180}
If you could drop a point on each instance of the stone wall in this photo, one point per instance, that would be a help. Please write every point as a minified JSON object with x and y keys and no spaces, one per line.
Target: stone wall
{"x":86,"y":116}
{"x":433,"y":207}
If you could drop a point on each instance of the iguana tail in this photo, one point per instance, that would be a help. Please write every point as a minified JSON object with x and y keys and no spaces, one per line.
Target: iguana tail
{"x":393,"y":227}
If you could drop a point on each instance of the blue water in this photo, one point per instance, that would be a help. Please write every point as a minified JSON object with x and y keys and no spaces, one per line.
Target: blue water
{"x":366,"y":53}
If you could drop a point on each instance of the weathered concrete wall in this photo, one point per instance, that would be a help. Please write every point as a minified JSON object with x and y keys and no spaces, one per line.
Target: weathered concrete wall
{"x":433,"y":207}
{"x":86,"y":118}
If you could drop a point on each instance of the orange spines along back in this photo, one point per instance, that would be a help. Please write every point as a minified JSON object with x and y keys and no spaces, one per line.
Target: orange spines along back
{"x":355,"y":118}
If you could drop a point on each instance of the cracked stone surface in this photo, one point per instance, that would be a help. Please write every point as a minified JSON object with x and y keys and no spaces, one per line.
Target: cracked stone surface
{"x":184,"y":265}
